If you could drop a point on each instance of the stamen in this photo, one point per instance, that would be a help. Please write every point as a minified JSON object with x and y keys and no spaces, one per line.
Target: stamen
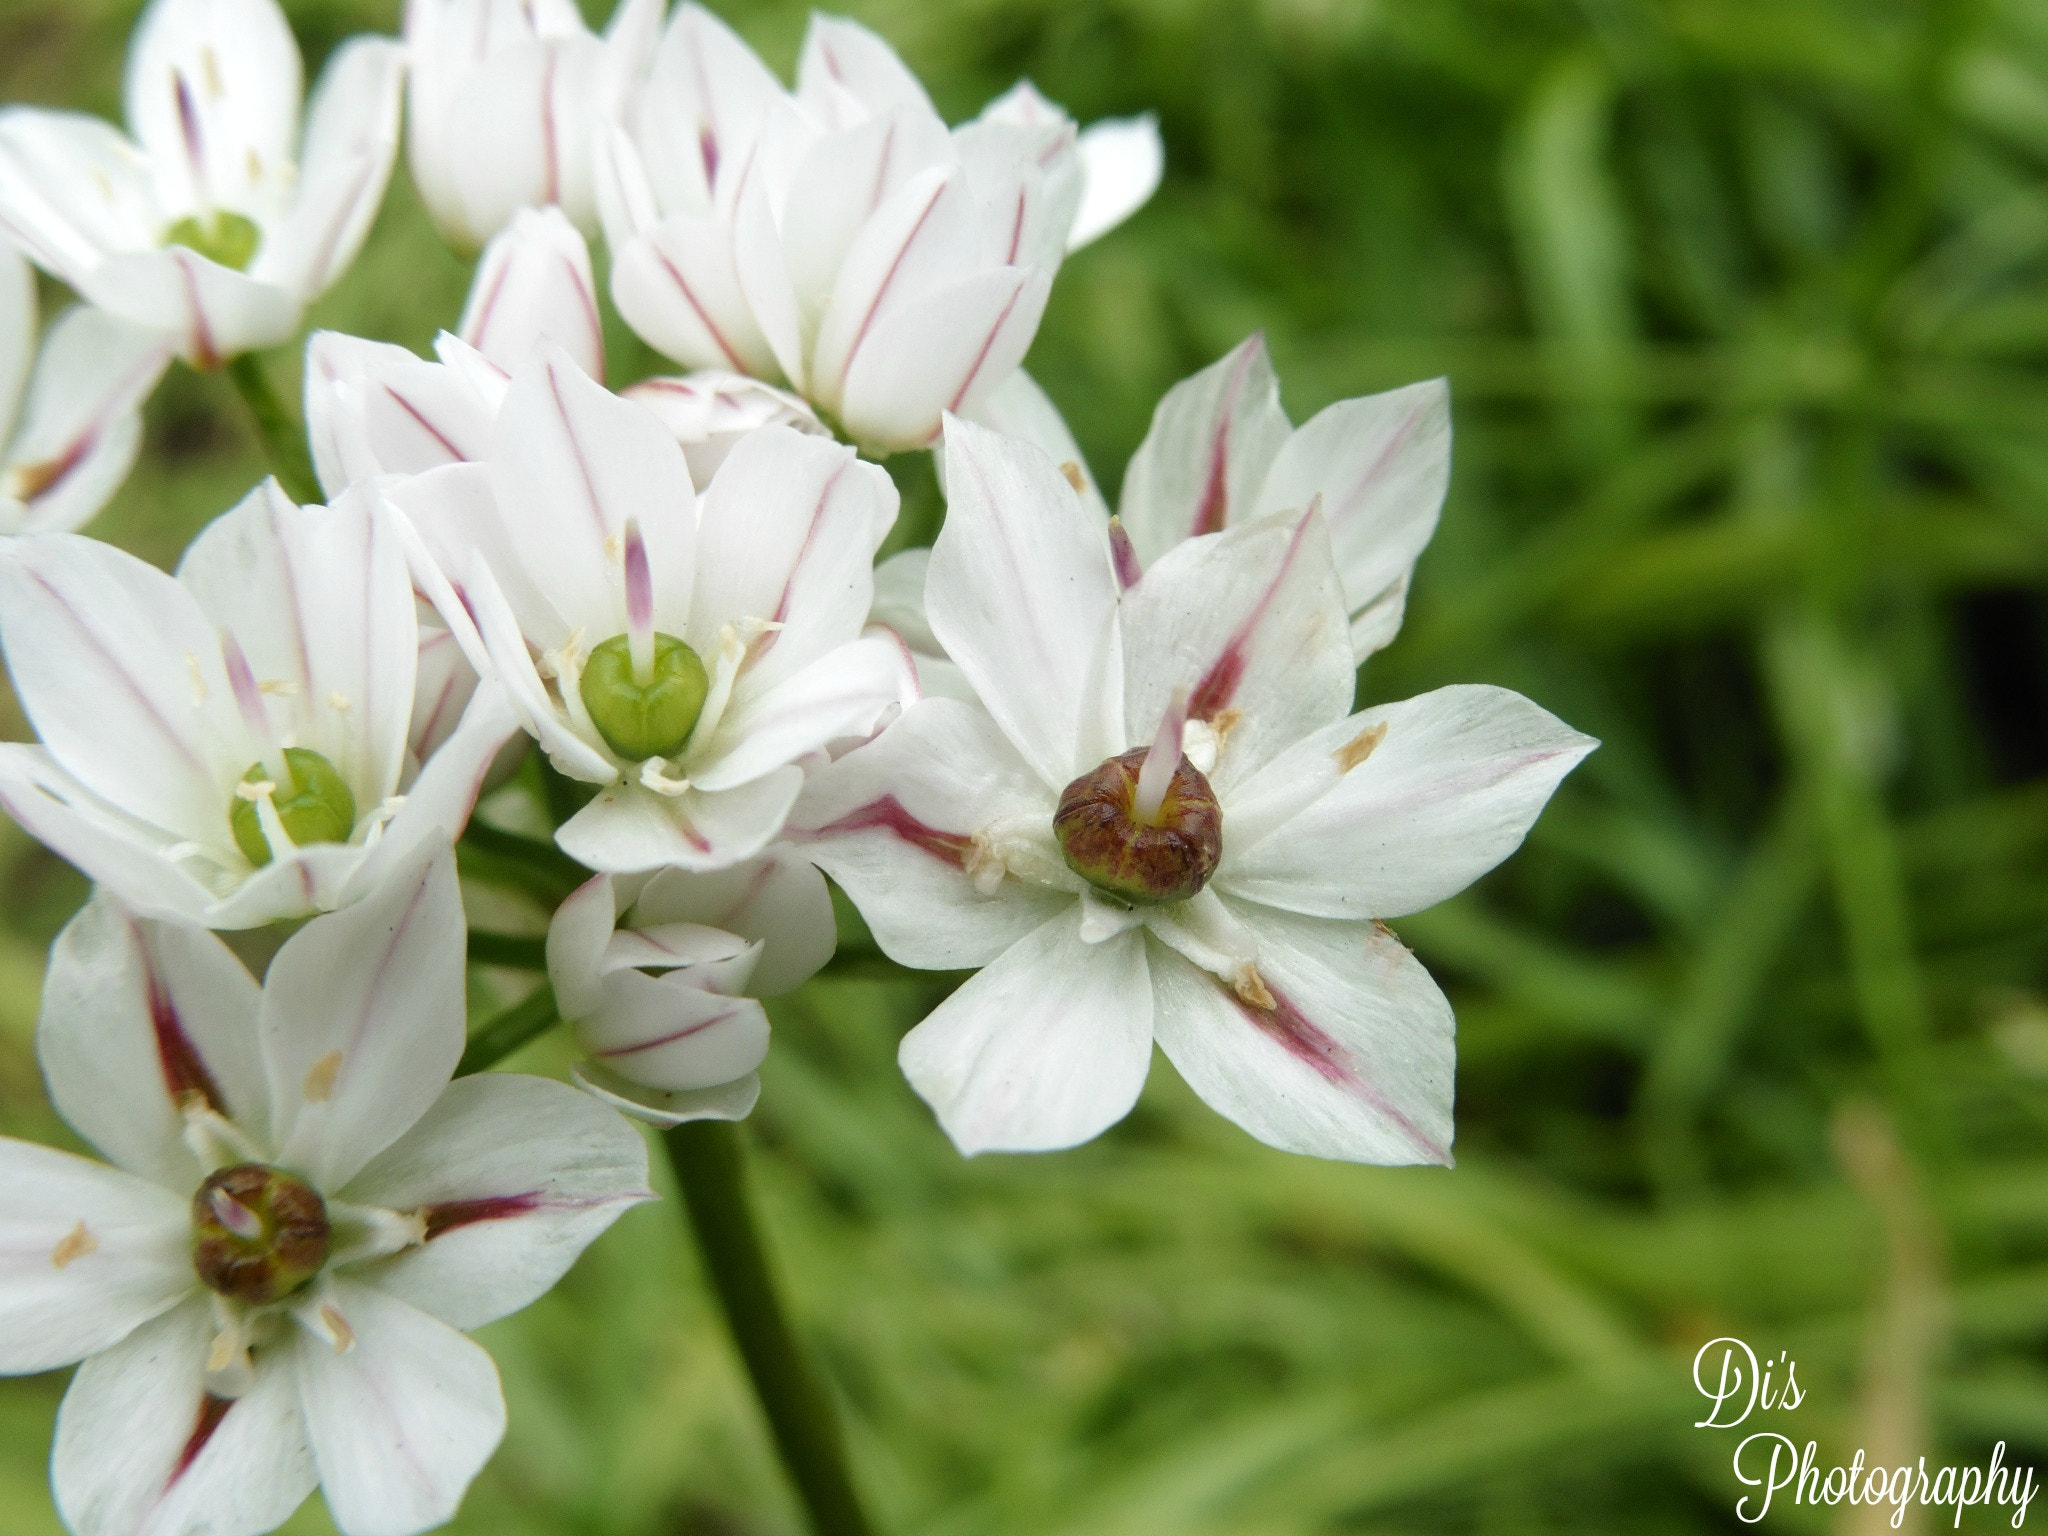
{"x":1157,"y":775}
{"x":732,"y":650}
{"x":1123,"y":555}
{"x":639,"y":605}
{"x":652,"y":777}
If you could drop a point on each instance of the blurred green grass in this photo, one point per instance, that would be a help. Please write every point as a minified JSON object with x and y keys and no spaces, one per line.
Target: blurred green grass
{"x":1745,"y":309}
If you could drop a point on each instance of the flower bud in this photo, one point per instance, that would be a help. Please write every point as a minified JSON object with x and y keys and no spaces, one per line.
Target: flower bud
{"x":637,"y":718}
{"x":225,"y":237}
{"x":258,"y":1233}
{"x":1146,"y":861}
{"x":316,"y":807}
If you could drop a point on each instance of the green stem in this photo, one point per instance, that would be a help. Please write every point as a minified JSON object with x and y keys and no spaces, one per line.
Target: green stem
{"x":543,"y":867}
{"x":710,"y":1164}
{"x":523,"y":1021}
{"x":520,"y":951}
{"x":284,"y":440}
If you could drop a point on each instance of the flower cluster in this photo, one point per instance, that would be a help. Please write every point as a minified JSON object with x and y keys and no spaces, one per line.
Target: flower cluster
{"x":630,"y":651}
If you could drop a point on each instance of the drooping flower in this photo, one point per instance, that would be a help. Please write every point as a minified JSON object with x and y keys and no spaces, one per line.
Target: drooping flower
{"x":218,"y":222}
{"x":682,"y":655}
{"x":270,"y":1286}
{"x":229,"y":746}
{"x":1164,"y":822}
{"x":373,"y":408}
{"x":70,"y":415}
{"x":840,"y":240}
{"x":1221,"y":453}
{"x":659,"y":975}
{"x":504,"y":98}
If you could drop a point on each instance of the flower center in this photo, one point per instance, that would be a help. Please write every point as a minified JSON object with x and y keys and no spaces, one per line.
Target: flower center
{"x":644,"y":712}
{"x":225,"y":237}
{"x":1144,"y":860}
{"x":316,"y":807}
{"x":258,"y":1233}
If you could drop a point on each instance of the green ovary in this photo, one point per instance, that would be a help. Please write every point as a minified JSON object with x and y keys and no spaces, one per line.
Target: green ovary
{"x":227,"y":238}
{"x":316,"y":807}
{"x":651,"y":719}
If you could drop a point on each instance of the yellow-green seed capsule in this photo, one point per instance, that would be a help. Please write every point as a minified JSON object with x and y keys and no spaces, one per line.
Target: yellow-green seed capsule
{"x":1144,"y":861}
{"x":227,"y":238}
{"x":651,"y":719}
{"x":316,"y":807}
{"x":258,"y":1233}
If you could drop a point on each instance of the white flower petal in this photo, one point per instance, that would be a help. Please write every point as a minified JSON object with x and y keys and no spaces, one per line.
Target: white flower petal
{"x":842,"y":182}
{"x":1354,"y":1059}
{"x":843,"y":694}
{"x":702,"y":107}
{"x":678,"y":287}
{"x":844,"y":64}
{"x":514,"y":1177}
{"x":1212,"y":442}
{"x":1023,"y":598}
{"x":121,"y":675}
{"x":1250,"y":625}
{"x":373,"y":408}
{"x":1380,"y":465}
{"x":438,"y":802}
{"x":351,"y":142}
{"x":941,"y":353}
{"x":17,"y":334}
{"x":73,"y":189}
{"x":778,"y":900}
{"x":521,"y":132}
{"x":510,"y":663}
{"x":787,"y":535}
{"x":712,"y":413}
{"x":401,"y":1420}
{"x":1398,"y":807}
{"x":628,"y":827}
{"x":1122,"y":160}
{"x":321,"y":602}
{"x":363,"y":1021}
{"x":1017,"y":407}
{"x":727,"y":1101}
{"x":141,"y":1448}
{"x":1046,"y":1048}
{"x":136,"y":1016}
{"x":669,"y":1032}
{"x":216,"y":313}
{"x":534,"y":283}
{"x":577,"y":936}
{"x":86,"y":1254}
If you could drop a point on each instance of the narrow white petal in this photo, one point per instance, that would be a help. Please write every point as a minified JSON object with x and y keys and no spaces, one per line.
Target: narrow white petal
{"x":728,"y":1101}
{"x":520,"y":133}
{"x":629,"y":828}
{"x":438,"y":802}
{"x":1023,"y":598}
{"x":363,"y":1021}
{"x":670,"y":1033}
{"x":1017,"y":407}
{"x":534,"y":283}
{"x":914,"y":826}
{"x":844,"y":694}
{"x":1046,"y":1048}
{"x":842,"y":182}
{"x":1398,"y":807}
{"x":706,"y":95}
{"x":137,"y":1016}
{"x":1353,"y":1060}
{"x":846,"y":68}
{"x":712,"y":413}
{"x":17,"y":334}
{"x":1212,"y":442}
{"x":86,"y":1254}
{"x":577,"y":936}
{"x":402,"y":1420}
{"x":514,"y":1177}
{"x":1250,"y":624}
{"x":215,"y":312}
{"x":778,"y":900}
{"x":142,"y":1450}
{"x":73,"y":190}
{"x":678,"y":286}
{"x":1122,"y":160}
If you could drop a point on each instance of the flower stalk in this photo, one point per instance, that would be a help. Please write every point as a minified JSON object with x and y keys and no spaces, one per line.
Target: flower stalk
{"x":526,"y":1020}
{"x":284,"y":440}
{"x":710,"y":1165}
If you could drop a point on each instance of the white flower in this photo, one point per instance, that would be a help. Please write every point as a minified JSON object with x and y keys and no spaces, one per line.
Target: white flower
{"x":229,"y":746}
{"x":69,"y":430}
{"x":218,"y":222}
{"x":269,"y":1286}
{"x":504,"y":97}
{"x":1258,"y":840}
{"x":683,"y":655}
{"x":840,"y":240}
{"x":373,"y":408}
{"x":709,"y":412}
{"x":659,"y":975}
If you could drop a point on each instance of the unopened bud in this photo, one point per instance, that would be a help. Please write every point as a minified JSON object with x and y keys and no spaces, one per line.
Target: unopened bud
{"x":1146,"y":861}
{"x":258,"y":1233}
{"x":651,"y":717}
{"x":316,"y":807}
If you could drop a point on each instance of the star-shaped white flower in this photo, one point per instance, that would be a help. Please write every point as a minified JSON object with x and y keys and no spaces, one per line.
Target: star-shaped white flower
{"x":682,"y":655}
{"x":270,"y":1285}
{"x":229,"y":746}
{"x":659,"y":975}
{"x":1257,"y":841}
{"x":841,"y":239}
{"x":218,"y":222}
{"x":71,"y":414}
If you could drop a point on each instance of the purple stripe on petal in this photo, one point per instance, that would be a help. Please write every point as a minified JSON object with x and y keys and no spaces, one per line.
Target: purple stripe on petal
{"x":888,"y":815}
{"x":451,"y":1214}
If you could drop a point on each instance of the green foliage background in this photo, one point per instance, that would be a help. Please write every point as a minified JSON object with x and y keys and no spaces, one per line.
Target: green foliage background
{"x":1745,"y":307}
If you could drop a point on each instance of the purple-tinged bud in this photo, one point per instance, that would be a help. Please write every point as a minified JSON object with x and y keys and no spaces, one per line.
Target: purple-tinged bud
{"x":258,"y":1233}
{"x":1146,"y":861}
